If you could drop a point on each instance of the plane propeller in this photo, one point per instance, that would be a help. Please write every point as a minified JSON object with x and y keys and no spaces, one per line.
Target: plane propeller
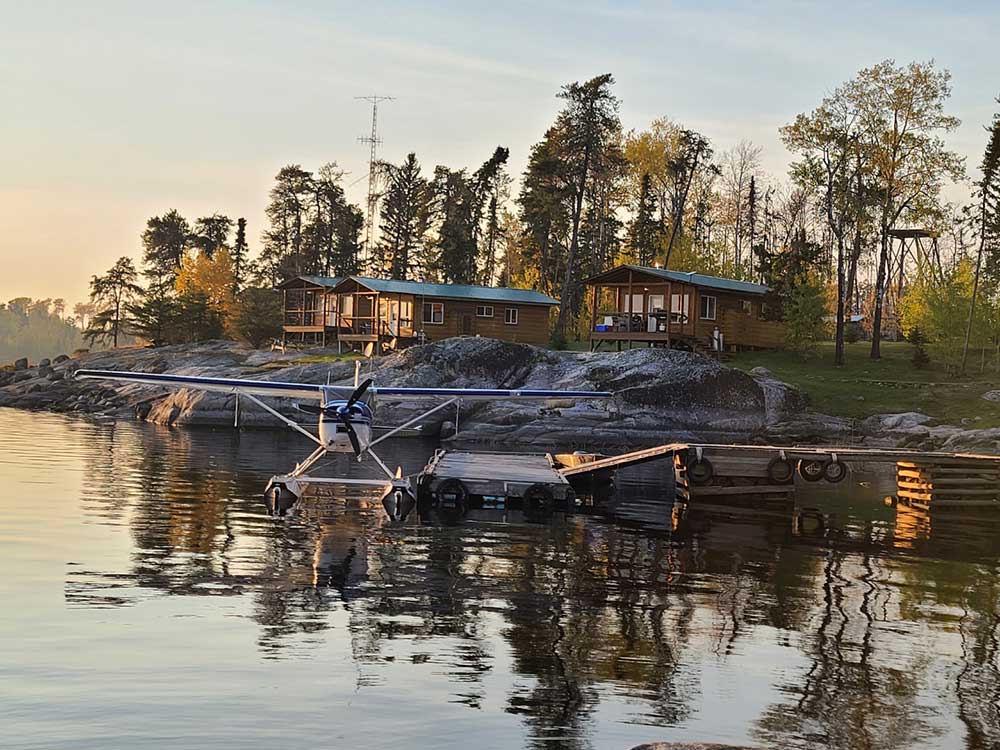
{"x":344,"y":414}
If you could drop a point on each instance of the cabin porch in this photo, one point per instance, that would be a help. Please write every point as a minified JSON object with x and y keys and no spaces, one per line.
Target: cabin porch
{"x":309,"y":315}
{"x":636,"y":310}
{"x":373,"y":320}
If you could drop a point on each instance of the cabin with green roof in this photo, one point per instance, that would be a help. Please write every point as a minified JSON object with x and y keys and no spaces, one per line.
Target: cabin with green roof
{"x":655,"y":307}
{"x":376,"y":315}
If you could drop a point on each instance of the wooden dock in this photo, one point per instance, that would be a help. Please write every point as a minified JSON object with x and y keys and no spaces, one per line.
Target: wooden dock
{"x":766,"y":475}
{"x":747,"y":476}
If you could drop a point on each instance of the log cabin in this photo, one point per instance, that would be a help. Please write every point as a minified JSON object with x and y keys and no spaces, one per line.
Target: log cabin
{"x":376,"y":315}
{"x":656,"y":307}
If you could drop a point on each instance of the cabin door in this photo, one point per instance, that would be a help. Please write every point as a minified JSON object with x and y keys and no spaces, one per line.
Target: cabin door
{"x":654,"y":303}
{"x":389,"y":315}
{"x":467,"y":325}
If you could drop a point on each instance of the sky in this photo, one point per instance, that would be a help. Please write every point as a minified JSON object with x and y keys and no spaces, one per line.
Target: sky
{"x":113,"y":112}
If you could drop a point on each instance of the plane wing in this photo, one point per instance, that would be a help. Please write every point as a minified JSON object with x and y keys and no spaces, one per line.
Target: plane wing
{"x":220,"y":385}
{"x":324,"y":393}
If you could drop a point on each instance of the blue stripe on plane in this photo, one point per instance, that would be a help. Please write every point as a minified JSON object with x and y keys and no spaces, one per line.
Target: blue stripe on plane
{"x":486,"y":392}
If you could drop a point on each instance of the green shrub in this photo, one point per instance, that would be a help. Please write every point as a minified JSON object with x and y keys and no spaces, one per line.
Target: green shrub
{"x":920,"y":358}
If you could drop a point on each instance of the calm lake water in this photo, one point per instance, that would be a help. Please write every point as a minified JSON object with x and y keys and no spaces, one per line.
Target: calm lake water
{"x":149,"y":601}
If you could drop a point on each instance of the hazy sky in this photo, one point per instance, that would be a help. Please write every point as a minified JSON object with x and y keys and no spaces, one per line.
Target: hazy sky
{"x":112,"y":112}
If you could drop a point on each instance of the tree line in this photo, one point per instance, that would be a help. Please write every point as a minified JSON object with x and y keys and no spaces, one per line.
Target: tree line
{"x":199,"y":283}
{"x":37,"y":328}
{"x":869,"y":159}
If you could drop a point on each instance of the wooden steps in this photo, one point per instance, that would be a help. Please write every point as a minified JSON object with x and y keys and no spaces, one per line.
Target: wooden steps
{"x":948,"y":485}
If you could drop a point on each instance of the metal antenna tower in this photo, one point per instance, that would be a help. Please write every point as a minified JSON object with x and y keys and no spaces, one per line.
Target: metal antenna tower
{"x":374,"y":142}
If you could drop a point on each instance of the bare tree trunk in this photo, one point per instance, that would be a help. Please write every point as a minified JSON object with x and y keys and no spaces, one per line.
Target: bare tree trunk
{"x":680,"y":213}
{"x":838,"y":354}
{"x":114,"y":329}
{"x":880,"y":284}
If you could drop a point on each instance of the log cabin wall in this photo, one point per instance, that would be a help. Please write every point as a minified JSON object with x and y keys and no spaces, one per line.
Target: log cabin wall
{"x":463,"y":318}
{"x":740,"y":319}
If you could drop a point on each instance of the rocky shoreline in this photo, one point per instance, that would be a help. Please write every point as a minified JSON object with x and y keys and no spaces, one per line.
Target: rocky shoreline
{"x":660,"y":396}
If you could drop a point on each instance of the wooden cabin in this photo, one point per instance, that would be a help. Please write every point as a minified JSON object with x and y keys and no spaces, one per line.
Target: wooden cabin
{"x":657,"y":307}
{"x":382,"y":314}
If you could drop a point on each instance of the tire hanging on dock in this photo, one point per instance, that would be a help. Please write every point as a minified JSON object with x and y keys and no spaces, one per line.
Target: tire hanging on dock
{"x":538,"y":501}
{"x":700,"y":471}
{"x":452,"y":497}
{"x":781,"y":470}
{"x":834,"y":471}
{"x":811,"y":469}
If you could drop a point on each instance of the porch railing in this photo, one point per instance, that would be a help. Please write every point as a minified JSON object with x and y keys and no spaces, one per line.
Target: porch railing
{"x":651,"y":322}
{"x":309,"y":318}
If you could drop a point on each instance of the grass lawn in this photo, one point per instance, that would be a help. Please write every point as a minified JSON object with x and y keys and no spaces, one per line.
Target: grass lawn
{"x":864,"y":386}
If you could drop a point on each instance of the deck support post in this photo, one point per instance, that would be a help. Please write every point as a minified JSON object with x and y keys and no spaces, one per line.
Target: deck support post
{"x":593,"y":316}
{"x":670,"y":311}
{"x":631,"y":312}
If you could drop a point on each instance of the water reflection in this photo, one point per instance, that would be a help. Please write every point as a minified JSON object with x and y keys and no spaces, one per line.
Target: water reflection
{"x":878,"y":629}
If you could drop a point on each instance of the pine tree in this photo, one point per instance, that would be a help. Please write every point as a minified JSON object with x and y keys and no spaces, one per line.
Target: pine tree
{"x":454,"y":246}
{"x":545,"y":202}
{"x":988,"y":220}
{"x":645,"y":231}
{"x":112,"y":293}
{"x":920,"y":358}
{"x":586,"y":128}
{"x":164,"y":242}
{"x":283,"y":254}
{"x":405,"y":214}
{"x":752,"y":218}
{"x":154,"y":316}
{"x":240,"y":254}
{"x":211,"y":233}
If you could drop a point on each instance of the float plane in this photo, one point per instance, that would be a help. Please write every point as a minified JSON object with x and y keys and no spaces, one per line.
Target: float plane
{"x":345,"y":416}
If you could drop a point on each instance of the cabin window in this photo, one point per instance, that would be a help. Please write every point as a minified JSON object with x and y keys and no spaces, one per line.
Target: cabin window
{"x":746,"y":306}
{"x":484,"y":311}
{"x":765,"y":312}
{"x":347,"y":305}
{"x":707,"y":307}
{"x":510,"y":316}
{"x":406,"y":313}
{"x":434,"y":313}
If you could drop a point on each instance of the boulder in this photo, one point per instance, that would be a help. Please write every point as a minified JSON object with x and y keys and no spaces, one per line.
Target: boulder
{"x":903,"y":421}
{"x":44,"y":362}
{"x":60,"y":358}
{"x":21,"y":364}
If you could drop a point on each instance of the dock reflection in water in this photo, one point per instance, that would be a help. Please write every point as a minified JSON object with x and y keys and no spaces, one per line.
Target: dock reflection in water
{"x":150,"y":600}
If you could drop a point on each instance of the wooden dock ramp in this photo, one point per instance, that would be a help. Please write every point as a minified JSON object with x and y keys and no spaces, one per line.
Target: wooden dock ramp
{"x":763,"y":475}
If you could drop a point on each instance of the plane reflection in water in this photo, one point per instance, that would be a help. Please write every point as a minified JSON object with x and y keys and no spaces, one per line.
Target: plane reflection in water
{"x":577,"y":633}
